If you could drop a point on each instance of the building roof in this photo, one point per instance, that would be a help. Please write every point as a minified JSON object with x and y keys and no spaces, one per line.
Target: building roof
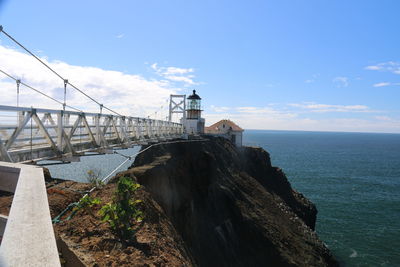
{"x":194,"y":96}
{"x":218,"y":125}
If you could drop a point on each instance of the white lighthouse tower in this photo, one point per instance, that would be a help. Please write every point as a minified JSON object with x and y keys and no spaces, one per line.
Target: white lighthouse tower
{"x":194,"y":123}
{"x":190,"y":108}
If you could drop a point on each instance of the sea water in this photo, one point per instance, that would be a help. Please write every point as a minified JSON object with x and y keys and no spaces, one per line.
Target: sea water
{"x":353,"y":179}
{"x":101,"y":165}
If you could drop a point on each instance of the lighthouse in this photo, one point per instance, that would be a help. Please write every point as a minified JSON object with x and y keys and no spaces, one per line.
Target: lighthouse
{"x":194,"y":123}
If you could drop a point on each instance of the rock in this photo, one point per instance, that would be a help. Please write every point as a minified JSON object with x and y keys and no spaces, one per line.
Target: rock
{"x":230,"y":206}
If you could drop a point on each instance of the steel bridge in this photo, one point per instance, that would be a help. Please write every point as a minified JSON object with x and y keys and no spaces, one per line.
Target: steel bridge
{"x":32,"y":134}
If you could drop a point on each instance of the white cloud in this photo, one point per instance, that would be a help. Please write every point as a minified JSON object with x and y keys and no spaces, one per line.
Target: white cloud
{"x":175,"y":74}
{"x":373,"y":67}
{"x":187,"y":80}
{"x":341,"y":81}
{"x":382,"y":84}
{"x":260,"y":121}
{"x":266,"y":111}
{"x":390,"y":66}
{"x":303,"y":116}
{"x":313,"y":79}
{"x":271,"y":85}
{"x":128,"y":94}
{"x":279,"y":121}
{"x":119,"y":36}
{"x":175,"y":70}
{"x":321,"y":108}
{"x":383,"y":118}
{"x":219,"y":109}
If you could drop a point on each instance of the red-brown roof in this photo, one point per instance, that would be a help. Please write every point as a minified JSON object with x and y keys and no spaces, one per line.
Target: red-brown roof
{"x":218,"y":125}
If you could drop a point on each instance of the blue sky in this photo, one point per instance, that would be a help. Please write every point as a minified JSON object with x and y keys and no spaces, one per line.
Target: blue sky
{"x":292,"y":65}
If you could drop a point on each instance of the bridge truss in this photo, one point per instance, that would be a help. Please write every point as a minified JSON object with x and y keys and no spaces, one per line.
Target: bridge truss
{"x":30,"y":134}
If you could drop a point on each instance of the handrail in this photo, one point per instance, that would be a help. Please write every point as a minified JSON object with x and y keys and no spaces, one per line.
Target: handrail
{"x":58,"y":111}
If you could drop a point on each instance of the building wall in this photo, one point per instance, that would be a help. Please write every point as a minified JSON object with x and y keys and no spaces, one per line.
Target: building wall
{"x":238,"y":138}
{"x":194,"y":126}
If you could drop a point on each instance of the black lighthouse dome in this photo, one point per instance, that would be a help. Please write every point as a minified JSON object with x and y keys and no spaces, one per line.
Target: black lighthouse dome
{"x":193,"y":107}
{"x":194,"y":96}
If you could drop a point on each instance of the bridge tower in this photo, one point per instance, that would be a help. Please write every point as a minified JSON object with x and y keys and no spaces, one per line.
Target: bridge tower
{"x":177,"y":104}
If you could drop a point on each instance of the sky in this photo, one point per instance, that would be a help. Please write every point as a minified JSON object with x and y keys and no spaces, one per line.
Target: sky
{"x":310,"y":65}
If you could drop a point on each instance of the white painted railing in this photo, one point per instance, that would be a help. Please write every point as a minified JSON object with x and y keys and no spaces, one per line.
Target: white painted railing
{"x":28,"y":238}
{"x":31,"y":134}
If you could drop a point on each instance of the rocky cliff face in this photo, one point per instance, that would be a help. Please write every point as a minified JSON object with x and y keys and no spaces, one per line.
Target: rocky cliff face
{"x":230,"y":206}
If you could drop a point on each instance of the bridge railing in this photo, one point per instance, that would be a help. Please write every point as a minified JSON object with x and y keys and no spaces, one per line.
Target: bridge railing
{"x":33,"y":133}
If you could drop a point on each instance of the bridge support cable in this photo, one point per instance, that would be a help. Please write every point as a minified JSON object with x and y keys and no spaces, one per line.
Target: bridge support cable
{"x":53,"y":71}
{"x":29,"y":52}
{"x":19,"y":82}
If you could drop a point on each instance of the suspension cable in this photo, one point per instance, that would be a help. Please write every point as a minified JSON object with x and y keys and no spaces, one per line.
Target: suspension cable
{"x":52,"y":70}
{"x":159,"y":109}
{"x":18,"y":81}
{"x":23,"y":47}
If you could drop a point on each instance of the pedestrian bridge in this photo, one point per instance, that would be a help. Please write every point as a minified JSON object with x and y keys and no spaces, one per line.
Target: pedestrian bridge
{"x":32,"y":134}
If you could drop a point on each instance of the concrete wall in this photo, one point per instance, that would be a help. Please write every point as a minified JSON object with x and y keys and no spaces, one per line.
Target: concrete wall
{"x":239,"y":137}
{"x":28,"y":238}
{"x":194,"y":126}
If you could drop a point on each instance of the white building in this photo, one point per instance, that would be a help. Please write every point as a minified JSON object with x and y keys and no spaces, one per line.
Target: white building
{"x":227,"y":129}
{"x":193,"y":122}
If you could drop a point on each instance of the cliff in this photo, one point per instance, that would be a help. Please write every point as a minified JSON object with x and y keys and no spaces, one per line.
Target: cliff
{"x":230,"y":206}
{"x":206,"y":203}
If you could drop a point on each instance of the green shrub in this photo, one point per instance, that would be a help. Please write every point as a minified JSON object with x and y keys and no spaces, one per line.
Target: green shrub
{"x":86,"y":203}
{"x":93,"y":177}
{"x":123,"y":214}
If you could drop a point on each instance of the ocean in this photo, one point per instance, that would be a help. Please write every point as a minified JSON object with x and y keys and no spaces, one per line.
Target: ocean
{"x":352,"y":178}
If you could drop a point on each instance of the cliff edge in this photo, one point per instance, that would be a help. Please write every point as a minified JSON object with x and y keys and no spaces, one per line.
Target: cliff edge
{"x":230,"y":206}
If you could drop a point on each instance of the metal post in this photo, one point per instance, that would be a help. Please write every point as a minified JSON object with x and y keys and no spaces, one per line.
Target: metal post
{"x":60,"y":123}
{"x":18,"y":114}
{"x":138,"y":129}
{"x":65,"y":94}
{"x":18,"y":84}
{"x":97,"y":123}
{"x":170,"y":108}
